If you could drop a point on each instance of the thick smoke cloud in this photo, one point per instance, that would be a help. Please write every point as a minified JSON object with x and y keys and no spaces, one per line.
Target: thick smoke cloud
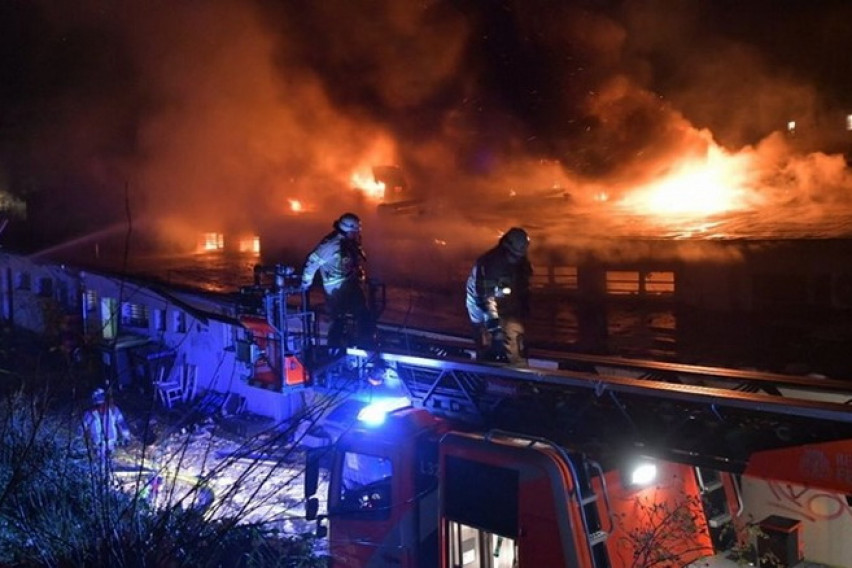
{"x":198,"y":116}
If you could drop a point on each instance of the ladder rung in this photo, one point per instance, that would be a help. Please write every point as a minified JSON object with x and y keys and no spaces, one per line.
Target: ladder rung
{"x":712,"y":486}
{"x":719,"y":520}
{"x":597,"y":537}
{"x":588,"y":499}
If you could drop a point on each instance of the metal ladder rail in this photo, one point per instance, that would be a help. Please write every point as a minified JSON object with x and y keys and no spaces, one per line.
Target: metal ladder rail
{"x":595,"y":539}
{"x":722,"y":520}
{"x":674,"y":372}
{"x":657,"y":370}
{"x":714,"y":396}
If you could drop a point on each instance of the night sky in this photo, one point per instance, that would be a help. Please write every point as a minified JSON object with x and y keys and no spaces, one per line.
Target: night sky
{"x":202,"y":111}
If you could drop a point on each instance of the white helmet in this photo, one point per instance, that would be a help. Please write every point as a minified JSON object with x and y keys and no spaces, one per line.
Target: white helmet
{"x":348,"y":223}
{"x":98,"y":396}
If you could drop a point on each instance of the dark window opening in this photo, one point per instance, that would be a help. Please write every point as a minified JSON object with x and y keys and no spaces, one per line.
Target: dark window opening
{"x":468,"y":499}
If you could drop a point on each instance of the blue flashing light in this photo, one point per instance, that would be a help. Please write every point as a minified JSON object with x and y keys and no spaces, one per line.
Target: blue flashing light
{"x":374,"y":414}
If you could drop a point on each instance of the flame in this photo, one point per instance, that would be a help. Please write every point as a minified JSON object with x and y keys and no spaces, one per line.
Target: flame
{"x":250,"y":244}
{"x":716,"y":183}
{"x":380,"y":150}
{"x":296,"y":206}
{"x":368,"y":185}
{"x":211,"y":241}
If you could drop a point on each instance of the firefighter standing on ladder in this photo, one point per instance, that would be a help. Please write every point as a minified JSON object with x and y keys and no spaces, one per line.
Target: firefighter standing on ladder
{"x":339,"y":259}
{"x":498,"y":298}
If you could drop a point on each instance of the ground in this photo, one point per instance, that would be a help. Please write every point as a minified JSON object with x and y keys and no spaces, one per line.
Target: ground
{"x":246,"y":465}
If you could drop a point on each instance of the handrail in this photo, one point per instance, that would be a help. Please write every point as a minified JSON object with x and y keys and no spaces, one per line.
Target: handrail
{"x":577,"y":493}
{"x":779,"y":403}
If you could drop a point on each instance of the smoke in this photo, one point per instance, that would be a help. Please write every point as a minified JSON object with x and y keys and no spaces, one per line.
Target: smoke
{"x":218,"y":115}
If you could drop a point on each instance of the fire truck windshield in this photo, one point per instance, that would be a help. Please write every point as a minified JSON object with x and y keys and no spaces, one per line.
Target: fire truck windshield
{"x":365,"y":482}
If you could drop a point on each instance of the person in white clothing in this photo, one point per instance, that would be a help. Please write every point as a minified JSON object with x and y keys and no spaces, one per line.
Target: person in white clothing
{"x":104,"y":427}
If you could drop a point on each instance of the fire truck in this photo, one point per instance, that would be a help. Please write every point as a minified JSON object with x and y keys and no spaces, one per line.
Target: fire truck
{"x":584,"y":461}
{"x":577,"y":461}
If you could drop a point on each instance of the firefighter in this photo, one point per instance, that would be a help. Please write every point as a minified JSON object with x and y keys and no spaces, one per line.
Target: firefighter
{"x":340,"y":260}
{"x":104,"y":427}
{"x":498,"y":299}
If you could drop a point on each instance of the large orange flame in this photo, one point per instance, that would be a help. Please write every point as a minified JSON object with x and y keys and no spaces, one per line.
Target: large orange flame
{"x":367,"y":184}
{"x":719,"y":182}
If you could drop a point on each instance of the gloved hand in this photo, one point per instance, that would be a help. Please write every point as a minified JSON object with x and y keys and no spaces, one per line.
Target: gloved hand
{"x":498,"y":349}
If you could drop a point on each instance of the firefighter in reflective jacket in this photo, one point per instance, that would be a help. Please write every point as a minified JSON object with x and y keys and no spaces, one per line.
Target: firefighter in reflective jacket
{"x":498,"y":298}
{"x":339,"y":259}
{"x":104,"y":427}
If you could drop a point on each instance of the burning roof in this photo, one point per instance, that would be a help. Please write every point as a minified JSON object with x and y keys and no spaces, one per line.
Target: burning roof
{"x":247,"y":114}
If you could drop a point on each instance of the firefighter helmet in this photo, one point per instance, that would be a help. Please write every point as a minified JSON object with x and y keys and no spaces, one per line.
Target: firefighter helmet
{"x":98,"y":396}
{"x":516,"y":241}
{"x":348,"y":223}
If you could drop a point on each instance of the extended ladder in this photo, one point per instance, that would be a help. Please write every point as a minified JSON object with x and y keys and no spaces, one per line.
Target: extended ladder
{"x":716,"y":417}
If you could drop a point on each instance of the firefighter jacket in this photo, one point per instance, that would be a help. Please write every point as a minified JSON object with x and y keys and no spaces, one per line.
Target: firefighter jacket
{"x":104,"y":427}
{"x":338,"y":259}
{"x":498,"y":287}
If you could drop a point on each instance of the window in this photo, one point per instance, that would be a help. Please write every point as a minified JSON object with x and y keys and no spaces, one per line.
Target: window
{"x":365,"y":483}
{"x":622,"y":282}
{"x":179,"y":321}
{"x":659,"y":283}
{"x":640,"y":283}
{"x":24,"y":281}
{"x":62,"y":294}
{"x":45,"y":287}
{"x":91,"y":300}
{"x":108,"y":317}
{"x":474,"y":548}
{"x":134,"y":315}
{"x":212,"y":241}
{"x":561,"y":277}
{"x":159,"y":320}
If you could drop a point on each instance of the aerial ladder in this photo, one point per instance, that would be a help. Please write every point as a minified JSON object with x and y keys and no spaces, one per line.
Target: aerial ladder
{"x":584,"y":413}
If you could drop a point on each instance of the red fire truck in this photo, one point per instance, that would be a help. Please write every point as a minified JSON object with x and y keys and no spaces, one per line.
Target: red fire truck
{"x":580,"y":462}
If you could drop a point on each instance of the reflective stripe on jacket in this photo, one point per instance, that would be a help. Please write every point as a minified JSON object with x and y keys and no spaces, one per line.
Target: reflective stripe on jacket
{"x":337,"y":259}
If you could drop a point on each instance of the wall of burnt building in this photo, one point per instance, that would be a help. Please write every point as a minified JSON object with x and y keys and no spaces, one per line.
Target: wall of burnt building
{"x":778,"y":305}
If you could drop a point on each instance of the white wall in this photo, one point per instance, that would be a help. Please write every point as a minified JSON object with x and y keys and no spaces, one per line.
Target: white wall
{"x":207,"y":343}
{"x":826,"y":518}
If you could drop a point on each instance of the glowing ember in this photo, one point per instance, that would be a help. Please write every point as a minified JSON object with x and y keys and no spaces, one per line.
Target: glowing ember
{"x":698,"y":187}
{"x":367,"y":184}
{"x":296,"y":205}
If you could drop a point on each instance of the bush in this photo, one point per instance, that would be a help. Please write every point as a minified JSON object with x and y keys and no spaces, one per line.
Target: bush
{"x":58,"y":508}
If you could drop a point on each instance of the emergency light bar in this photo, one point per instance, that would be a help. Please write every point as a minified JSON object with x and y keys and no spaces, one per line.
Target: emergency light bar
{"x":374,"y":414}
